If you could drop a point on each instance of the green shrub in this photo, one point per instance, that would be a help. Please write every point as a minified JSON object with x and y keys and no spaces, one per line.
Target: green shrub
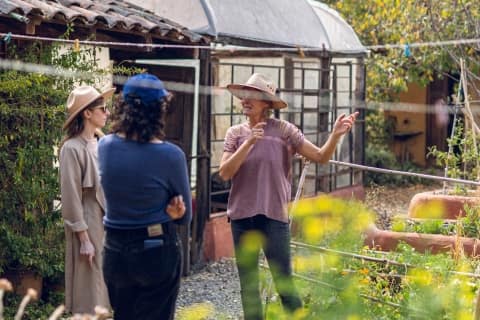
{"x":380,"y":157}
{"x":347,"y":283}
{"x":32,"y":111}
{"x":462,"y":161}
{"x":40,"y":309}
{"x":31,"y":115}
{"x":470,"y":223}
{"x":379,"y":132}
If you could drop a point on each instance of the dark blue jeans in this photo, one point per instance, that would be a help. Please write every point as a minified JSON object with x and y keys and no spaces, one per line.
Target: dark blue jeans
{"x":142,"y":273}
{"x":276,"y":246}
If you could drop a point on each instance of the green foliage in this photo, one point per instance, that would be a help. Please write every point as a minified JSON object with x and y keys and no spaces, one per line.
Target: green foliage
{"x":379,"y":132}
{"x":428,"y":226}
{"x":424,"y":291}
{"x":332,"y":222}
{"x":380,"y":157}
{"x":381,"y":22}
{"x":463,"y":160}
{"x":349,"y":285}
{"x":470,"y":223}
{"x":378,"y":136}
{"x":467,"y":226}
{"x":31,"y":116}
{"x":40,"y":309}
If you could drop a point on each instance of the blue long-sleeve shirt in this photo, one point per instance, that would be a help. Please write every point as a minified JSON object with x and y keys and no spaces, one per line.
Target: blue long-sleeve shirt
{"x":139,"y":180}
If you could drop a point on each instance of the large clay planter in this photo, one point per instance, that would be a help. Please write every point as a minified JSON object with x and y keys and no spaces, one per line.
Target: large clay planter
{"x":22,"y":280}
{"x":434,"y":243}
{"x":217,"y":238}
{"x":435,"y":205}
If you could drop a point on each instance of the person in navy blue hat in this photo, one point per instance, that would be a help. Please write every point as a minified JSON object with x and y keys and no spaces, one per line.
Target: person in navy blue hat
{"x":147,"y":192}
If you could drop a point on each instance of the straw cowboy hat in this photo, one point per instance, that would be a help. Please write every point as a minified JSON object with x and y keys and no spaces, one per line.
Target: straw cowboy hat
{"x":80,"y":98}
{"x":258,"y":83}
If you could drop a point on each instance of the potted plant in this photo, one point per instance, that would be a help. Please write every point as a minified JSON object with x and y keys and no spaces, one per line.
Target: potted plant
{"x":432,"y":235}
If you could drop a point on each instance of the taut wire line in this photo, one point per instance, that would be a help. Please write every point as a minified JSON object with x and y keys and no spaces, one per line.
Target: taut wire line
{"x":403,"y":173}
{"x":241,"y":48}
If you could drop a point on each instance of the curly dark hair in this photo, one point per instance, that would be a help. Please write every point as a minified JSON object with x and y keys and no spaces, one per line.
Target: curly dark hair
{"x":139,"y":121}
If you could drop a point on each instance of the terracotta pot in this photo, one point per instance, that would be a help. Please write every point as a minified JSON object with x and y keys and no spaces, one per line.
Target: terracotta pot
{"x":217,"y":238}
{"x":22,"y":280}
{"x":435,"y":205}
{"x":434,"y":243}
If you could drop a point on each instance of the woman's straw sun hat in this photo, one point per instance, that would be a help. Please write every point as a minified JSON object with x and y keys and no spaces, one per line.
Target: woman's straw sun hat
{"x":80,"y":98}
{"x":258,"y":83}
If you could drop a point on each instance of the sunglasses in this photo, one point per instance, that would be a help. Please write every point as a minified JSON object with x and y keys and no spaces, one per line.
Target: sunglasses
{"x":104,"y":108}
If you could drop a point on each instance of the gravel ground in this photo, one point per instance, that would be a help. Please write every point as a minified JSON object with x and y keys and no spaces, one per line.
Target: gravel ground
{"x":216,"y":285}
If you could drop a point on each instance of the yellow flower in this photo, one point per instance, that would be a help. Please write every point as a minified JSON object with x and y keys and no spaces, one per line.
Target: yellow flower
{"x":197,"y":311}
{"x":314,"y":229}
{"x":422,"y":278}
{"x":364,"y":271}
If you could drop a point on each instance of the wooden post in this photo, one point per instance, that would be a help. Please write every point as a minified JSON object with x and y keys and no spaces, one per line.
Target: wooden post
{"x":323,"y":183}
{"x":202,"y":200}
{"x":359,"y":135}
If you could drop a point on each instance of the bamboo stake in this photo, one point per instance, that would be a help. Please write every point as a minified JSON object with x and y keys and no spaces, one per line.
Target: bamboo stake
{"x":469,"y":115}
{"x":450,"y":146}
{"x":101,"y":313}
{"x":57,"y":312}
{"x":31,"y":295}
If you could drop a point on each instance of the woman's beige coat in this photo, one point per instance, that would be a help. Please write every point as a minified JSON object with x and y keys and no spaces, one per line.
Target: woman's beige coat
{"x":83,"y":206}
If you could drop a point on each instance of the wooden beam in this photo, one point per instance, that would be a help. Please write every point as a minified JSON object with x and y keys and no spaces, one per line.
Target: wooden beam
{"x":203,"y":162}
{"x":30,"y":27}
{"x":148,"y":40}
{"x":269,"y":53}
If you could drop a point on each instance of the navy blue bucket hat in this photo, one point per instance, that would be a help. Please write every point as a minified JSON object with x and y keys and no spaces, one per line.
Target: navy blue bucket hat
{"x":146,"y":87}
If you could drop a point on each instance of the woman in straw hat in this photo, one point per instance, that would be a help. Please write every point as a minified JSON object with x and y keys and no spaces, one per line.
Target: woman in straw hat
{"x":83,"y":201}
{"x":257,"y":159}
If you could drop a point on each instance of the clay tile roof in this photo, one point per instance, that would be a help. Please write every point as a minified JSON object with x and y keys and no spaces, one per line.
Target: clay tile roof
{"x":114,"y":15}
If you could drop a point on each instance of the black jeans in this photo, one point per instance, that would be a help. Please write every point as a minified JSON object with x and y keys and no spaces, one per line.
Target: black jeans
{"x":142,"y":273}
{"x":276,"y":246}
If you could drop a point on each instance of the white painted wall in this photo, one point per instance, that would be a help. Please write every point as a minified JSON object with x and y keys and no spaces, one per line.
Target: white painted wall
{"x":102,"y":56}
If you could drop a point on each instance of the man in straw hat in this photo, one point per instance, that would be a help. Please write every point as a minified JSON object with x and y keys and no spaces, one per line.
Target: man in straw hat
{"x":257,"y":159}
{"x":83,"y":202}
